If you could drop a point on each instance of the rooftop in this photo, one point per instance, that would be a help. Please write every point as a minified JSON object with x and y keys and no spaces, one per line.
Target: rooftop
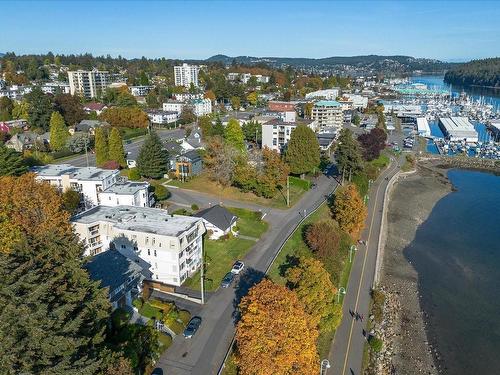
{"x":138,"y":219}
{"x":80,"y":173}
{"x":127,"y":187}
{"x":219,"y":216}
{"x":327,"y":103}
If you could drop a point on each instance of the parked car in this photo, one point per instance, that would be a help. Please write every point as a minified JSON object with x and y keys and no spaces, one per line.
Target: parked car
{"x":227,"y":280}
{"x":237,"y":267}
{"x":192,"y":327}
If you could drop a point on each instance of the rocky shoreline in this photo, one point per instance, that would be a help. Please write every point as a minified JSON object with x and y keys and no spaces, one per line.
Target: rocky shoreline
{"x":407,"y":349}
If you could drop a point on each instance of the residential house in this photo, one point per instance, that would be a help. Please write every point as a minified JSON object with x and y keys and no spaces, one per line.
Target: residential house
{"x":94,"y":107}
{"x":26,"y":141}
{"x":119,"y":274}
{"x":167,"y":247}
{"x":188,"y":165}
{"x":219,"y":221}
{"x":88,"y":126}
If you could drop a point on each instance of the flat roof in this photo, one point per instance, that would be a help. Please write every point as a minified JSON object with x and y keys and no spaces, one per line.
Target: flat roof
{"x":139,"y":219}
{"x":278,"y":121}
{"x":81,"y":173}
{"x":327,"y":103}
{"x":126,"y":188}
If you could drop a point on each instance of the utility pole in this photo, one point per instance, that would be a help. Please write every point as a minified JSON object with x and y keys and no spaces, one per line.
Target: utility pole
{"x":86,"y":152}
{"x":288,"y":191}
{"x":202,"y":276}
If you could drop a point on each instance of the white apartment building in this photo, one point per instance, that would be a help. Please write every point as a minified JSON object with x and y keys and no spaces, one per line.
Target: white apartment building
{"x":276,"y":133}
{"x":327,"y":113}
{"x":358,"y":101}
{"x":201,"y":107}
{"x":186,"y":96}
{"x":173,"y":106}
{"x":90,"y":84}
{"x":56,"y":87}
{"x":140,"y":90}
{"x":96,"y":186}
{"x":186,"y":74}
{"x":163,"y":117}
{"x":328,"y":94}
{"x":167,"y":247}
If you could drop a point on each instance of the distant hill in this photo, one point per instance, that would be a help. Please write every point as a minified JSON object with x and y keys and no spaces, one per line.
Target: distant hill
{"x":372,"y":62}
{"x":485,"y":72}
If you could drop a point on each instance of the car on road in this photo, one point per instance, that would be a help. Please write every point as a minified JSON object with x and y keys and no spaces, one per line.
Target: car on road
{"x":238,"y":267}
{"x":227,"y":280}
{"x":192,"y":327}
{"x":157,"y":371}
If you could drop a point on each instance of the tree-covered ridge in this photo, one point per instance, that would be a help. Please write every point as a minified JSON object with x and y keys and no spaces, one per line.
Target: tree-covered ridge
{"x":485,"y":72}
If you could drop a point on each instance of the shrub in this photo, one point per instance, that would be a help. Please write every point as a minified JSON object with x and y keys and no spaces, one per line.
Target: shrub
{"x":165,"y":307}
{"x":375,"y":343}
{"x":137,"y":303}
{"x":111,"y":164}
{"x":133,"y":174}
{"x":161,"y":192}
{"x":62,"y":153}
{"x":323,"y":239}
{"x":195,"y":207}
{"x":185,"y":316}
{"x":378,"y":298}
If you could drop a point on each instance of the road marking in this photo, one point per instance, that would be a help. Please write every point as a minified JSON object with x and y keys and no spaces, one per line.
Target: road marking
{"x":361,"y":277}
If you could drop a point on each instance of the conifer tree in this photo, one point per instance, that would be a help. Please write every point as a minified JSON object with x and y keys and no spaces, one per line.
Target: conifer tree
{"x":115,"y":147}
{"x":302,"y":153}
{"x":58,"y":132}
{"x":153,"y":158}
{"x":101,"y":147}
{"x":11,"y":162}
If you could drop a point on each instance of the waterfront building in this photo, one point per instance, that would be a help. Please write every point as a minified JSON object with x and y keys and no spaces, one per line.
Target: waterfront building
{"x":167,"y":247}
{"x":458,"y":129}
{"x":327,"y":113}
{"x":423,"y":128}
{"x":186,"y":74}
{"x":88,"y":83}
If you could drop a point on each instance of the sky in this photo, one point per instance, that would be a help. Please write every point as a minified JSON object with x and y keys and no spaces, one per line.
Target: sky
{"x":445,"y":30}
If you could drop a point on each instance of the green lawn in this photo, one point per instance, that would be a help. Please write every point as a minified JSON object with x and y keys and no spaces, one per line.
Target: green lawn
{"x":203,"y":184}
{"x":249,"y":223}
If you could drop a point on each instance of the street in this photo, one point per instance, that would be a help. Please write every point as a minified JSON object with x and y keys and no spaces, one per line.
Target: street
{"x":346,"y":353}
{"x":205,"y":353}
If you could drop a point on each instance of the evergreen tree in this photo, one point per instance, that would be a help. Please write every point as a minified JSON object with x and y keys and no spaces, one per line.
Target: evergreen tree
{"x":11,"y":162}
{"x":153,"y":158}
{"x":52,"y":316}
{"x":39,"y":108}
{"x":233,"y":134}
{"x":115,"y":147}
{"x":348,"y":153}
{"x":217,"y":129}
{"x":58,"y":132}
{"x":302,"y":153}
{"x":101,"y":147}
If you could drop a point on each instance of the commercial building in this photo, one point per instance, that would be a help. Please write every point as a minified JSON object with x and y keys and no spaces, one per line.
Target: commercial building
{"x":88,"y":83}
{"x":281,"y":106}
{"x":96,"y":186}
{"x":423,"y":128}
{"x":276,"y":133}
{"x":358,"y":101}
{"x":328,"y":94}
{"x":327,"y":113}
{"x":186,"y":74}
{"x":167,"y":247}
{"x":458,"y":129}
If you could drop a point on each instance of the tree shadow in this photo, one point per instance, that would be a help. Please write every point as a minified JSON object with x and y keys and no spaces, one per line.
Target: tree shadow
{"x":245,"y":281}
{"x":290,"y":262}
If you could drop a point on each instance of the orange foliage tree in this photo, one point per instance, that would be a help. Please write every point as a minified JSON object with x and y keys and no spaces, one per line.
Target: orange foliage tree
{"x":349,"y":210}
{"x":127,"y":117}
{"x":275,"y":336}
{"x":31,"y":208}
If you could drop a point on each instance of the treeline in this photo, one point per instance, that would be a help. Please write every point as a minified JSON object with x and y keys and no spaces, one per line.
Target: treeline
{"x":485,"y":72}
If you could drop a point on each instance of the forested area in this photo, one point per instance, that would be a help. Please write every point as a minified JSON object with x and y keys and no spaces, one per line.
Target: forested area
{"x":484,"y":72}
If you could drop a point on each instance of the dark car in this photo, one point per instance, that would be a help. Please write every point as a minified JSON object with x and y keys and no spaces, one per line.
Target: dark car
{"x":227,"y":280}
{"x":157,"y":371}
{"x":192,"y":327}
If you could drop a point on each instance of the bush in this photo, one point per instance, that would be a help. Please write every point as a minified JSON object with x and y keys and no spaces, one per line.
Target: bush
{"x":62,"y":153}
{"x":375,"y":343}
{"x":181,"y":211}
{"x":111,"y":164}
{"x":137,"y":303}
{"x":185,"y":316}
{"x":195,"y":207}
{"x":165,"y":307}
{"x":161,"y":192}
{"x":378,"y":299}
{"x":133,"y":174}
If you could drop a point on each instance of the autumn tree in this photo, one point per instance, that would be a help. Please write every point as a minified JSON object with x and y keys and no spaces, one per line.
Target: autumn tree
{"x":101,"y":146}
{"x":235,"y":103}
{"x":312,"y":283}
{"x":11,"y":162}
{"x":115,"y":148}
{"x":219,"y":160}
{"x":323,"y":239}
{"x":205,"y":124}
{"x":58,"y":132}
{"x":20,"y":110}
{"x":373,"y":143}
{"x":126,"y":117}
{"x":233,"y":135}
{"x":349,"y":210}
{"x":274,"y":174}
{"x":302,"y":153}
{"x":70,"y":107}
{"x":252,"y":98}
{"x":209,"y":94}
{"x":348,"y":153}
{"x":52,"y":316}
{"x":275,"y":332}
{"x":152,"y":161}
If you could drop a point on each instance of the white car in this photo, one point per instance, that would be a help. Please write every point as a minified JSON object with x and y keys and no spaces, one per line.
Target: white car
{"x":237,"y":267}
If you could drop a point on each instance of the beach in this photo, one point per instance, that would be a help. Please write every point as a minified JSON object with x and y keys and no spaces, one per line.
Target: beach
{"x":411,"y":200}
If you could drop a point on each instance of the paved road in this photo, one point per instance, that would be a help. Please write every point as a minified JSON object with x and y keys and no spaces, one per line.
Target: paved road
{"x":203,"y":354}
{"x":134,"y":146}
{"x":347,"y":349}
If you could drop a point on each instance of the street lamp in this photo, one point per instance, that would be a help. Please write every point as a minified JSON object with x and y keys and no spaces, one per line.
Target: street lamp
{"x":340,"y":291}
{"x":325,"y":365}
{"x":351,"y":249}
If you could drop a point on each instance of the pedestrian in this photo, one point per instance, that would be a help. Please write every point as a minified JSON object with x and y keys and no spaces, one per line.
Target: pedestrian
{"x":361,"y":317}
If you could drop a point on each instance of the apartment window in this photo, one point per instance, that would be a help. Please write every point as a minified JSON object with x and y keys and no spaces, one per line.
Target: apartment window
{"x":181,"y":254}
{"x":175,"y":279}
{"x":156,"y":277}
{"x":154,"y":240}
{"x":182,"y":265}
{"x":149,"y":252}
{"x":122,"y":246}
{"x":135,"y":248}
{"x":155,"y":252}
{"x":275,"y":142}
{"x":159,"y":244}
{"x":147,"y":240}
{"x":156,"y":265}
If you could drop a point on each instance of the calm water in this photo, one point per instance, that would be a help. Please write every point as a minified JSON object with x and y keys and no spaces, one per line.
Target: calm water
{"x":456,"y":253}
